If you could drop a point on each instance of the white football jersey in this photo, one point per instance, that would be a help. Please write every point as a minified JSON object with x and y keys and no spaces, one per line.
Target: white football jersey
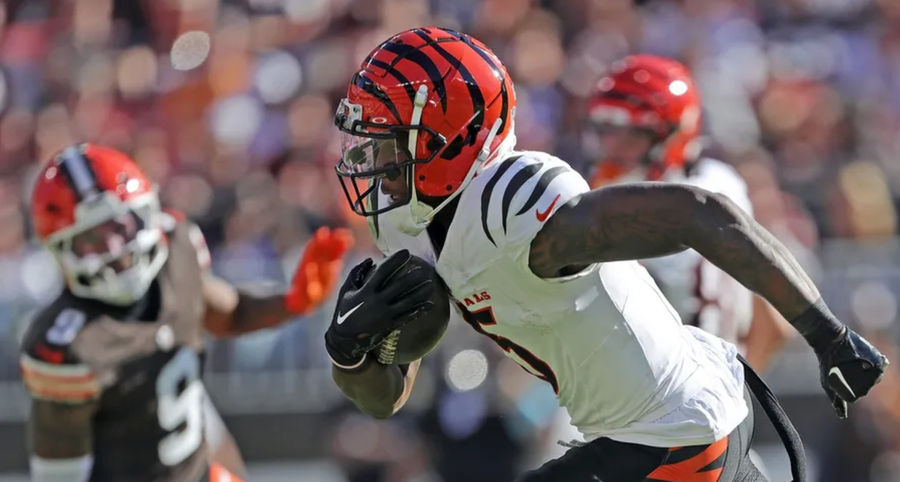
{"x":606,"y":340}
{"x":704,"y":295}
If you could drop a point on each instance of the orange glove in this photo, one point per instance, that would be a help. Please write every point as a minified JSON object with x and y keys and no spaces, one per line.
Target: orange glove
{"x":319,"y":269}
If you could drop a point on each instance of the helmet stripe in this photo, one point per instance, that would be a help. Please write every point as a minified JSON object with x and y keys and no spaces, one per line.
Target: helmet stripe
{"x":78,"y":171}
{"x":498,"y":72}
{"x":372,"y":89}
{"x":397,"y":75}
{"x":419,"y":58}
{"x":471,"y":83}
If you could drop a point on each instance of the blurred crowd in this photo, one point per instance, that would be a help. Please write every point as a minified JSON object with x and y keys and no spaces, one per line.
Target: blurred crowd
{"x":228,"y":105}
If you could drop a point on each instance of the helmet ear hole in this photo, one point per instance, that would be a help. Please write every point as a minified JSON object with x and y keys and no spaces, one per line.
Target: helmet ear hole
{"x":436,"y":143}
{"x":454,"y":148}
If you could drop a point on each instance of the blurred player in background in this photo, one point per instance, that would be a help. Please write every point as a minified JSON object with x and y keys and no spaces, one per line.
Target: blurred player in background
{"x":530,"y":254}
{"x":643,"y":124}
{"x":114,"y":363}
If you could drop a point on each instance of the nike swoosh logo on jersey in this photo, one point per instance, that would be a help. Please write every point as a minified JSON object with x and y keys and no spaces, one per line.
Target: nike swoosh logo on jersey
{"x":840,"y":376}
{"x":542,"y":216}
{"x":342,"y":317}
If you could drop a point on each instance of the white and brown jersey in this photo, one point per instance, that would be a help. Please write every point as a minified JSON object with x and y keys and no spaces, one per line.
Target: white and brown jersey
{"x":139,"y":367}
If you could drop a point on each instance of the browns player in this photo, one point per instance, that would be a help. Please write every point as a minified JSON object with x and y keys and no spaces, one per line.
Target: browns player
{"x":643,"y":123}
{"x":428,"y":155}
{"x":114,"y":363}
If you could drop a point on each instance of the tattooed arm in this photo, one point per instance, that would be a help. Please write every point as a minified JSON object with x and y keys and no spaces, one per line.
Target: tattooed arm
{"x":652,"y":219}
{"x":648,"y":220}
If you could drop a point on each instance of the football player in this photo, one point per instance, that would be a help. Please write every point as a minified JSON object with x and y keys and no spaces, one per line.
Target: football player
{"x":428,"y":155}
{"x":114,"y":363}
{"x":643,"y":124}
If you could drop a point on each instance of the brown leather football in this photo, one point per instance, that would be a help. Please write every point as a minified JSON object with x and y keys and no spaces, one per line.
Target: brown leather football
{"x":418,"y":337}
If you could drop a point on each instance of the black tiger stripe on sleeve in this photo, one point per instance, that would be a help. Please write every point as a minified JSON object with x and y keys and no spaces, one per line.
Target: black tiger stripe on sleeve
{"x":516,"y":183}
{"x":488,"y":191}
{"x":546,"y":178}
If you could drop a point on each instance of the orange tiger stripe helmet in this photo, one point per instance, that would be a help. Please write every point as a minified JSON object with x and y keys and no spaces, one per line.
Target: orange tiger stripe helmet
{"x":429,"y":104}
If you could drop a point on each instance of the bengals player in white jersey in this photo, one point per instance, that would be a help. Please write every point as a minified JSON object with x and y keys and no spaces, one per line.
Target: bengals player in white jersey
{"x":643,"y":123}
{"x":429,"y":156}
{"x":114,"y":364}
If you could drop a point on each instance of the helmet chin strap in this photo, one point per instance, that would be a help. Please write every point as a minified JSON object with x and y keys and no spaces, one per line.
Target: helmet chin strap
{"x":421,"y":213}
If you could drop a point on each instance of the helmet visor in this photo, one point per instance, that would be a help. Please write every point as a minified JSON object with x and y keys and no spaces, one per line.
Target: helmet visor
{"x":373,"y":157}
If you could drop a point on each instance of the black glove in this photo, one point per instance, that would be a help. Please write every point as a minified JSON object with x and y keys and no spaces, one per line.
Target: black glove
{"x":373,"y":302}
{"x":849,"y":368}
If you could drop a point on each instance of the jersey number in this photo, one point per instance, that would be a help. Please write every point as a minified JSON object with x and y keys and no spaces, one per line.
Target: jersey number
{"x":180,"y":409}
{"x":66,"y":326}
{"x":537,"y":367}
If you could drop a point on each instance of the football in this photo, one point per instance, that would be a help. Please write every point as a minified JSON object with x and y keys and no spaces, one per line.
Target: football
{"x":418,"y":337}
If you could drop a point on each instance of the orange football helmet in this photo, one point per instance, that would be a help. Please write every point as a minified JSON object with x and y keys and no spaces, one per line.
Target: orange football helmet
{"x":97,"y":212}
{"x":429,"y":104}
{"x":654,"y":94}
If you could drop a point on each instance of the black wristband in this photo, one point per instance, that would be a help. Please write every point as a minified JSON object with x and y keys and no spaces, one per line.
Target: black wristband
{"x":818,"y":325}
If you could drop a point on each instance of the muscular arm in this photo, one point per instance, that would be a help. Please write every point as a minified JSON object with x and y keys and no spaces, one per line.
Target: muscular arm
{"x":59,"y":430}
{"x":376,"y":389}
{"x":648,"y":220}
{"x":231,"y":312}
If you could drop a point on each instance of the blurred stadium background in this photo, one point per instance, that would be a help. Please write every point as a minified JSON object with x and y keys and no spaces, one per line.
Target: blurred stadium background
{"x":228,"y":104}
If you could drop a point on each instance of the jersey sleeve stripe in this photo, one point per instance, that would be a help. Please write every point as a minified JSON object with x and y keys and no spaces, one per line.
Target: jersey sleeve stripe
{"x":65,"y":389}
{"x":53,"y":370}
{"x":64,"y":383}
{"x":546,"y":178}
{"x":488,"y":191}
{"x":30,"y":374}
{"x":62,"y":391}
{"x":66,"y":395}
{"x":516,"y":183}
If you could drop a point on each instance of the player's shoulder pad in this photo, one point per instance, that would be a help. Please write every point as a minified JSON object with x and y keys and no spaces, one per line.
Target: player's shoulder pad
{"x":50,"y":369}
{"x":519,"y":193}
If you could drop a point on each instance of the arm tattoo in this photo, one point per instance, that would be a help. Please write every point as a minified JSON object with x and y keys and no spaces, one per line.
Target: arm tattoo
{"x":654,"y":219}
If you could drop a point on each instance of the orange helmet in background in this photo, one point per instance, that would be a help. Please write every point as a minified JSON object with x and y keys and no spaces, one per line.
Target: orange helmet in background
{"x":97,"y":212}
{"x":427,"y":104}
{"x":655,"y":94}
